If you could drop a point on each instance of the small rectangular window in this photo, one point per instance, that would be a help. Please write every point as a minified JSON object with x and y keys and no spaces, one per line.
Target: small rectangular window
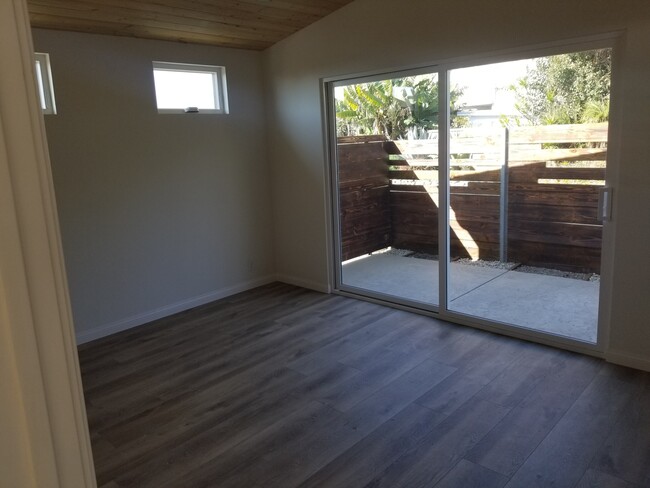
{"x":190,"y":88}
{"x":44,"y":82}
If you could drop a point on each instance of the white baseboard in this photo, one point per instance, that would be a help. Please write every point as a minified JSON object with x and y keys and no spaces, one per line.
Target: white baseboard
{"x":311,"y":285}
{"x":629,"y":360}
{"x":167,"y":310}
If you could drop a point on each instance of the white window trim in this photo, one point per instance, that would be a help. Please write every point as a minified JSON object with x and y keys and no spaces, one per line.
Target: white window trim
{"x":44,"y":82}
{"x":219,"y":85}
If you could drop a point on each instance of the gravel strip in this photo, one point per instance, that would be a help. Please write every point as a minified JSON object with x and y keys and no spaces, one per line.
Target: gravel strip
{"x":395,"y":252}
{"x":557,"y":272}
{"x":508,"y":266}
{"x":487,"y":264}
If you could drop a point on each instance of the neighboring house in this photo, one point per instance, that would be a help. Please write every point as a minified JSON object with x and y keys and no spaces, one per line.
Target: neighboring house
{"x":493,"y":112}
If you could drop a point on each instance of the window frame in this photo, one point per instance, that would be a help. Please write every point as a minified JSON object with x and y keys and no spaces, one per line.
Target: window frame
{"x":219,"y":86}
{"x":44,"y":83}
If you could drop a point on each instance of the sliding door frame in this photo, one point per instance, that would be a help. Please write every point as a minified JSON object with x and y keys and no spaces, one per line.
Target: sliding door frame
{"x":442,"y":68}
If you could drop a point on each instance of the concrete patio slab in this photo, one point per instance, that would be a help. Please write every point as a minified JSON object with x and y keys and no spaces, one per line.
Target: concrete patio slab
{"x":562,"y":306}
{"x":412,"y":278}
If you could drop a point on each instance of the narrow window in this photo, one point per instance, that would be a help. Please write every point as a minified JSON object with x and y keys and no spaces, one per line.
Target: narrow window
{"x":44,"y":82}
{"x":190,"y":88}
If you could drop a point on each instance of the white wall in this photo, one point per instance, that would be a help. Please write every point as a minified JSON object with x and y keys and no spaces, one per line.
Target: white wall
{"x":379,"y":34}
{"x":158,"y":212}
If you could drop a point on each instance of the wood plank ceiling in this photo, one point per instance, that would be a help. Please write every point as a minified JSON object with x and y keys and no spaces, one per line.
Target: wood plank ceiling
{"x":246,"y":24}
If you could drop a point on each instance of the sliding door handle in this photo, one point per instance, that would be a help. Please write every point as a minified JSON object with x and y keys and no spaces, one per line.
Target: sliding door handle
{"x":605,"y":204}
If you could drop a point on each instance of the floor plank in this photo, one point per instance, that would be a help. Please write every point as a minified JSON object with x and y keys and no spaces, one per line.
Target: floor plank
{"x":283,"y":387}
{"x":626,"y":453}
{"x":359,"y":464}
{"x":377,"y":370}
{"x":469,"y":475}
{"x":508,"y":446}
{"x":596,"y":479}
{"x":562,"y":458}
{"x":340,"y":348}
{"x":522,"y":375}
{"x":450,"y":394}
{"x":438,"y":452}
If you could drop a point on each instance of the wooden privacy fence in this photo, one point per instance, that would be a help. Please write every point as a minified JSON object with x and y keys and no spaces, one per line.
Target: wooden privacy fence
{"x":553,"y":204}
{"x":547,"y":215}
{"x":364,"y":195}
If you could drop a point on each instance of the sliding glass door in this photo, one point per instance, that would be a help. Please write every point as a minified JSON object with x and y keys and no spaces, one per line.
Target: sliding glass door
{"x":527,"y":166}
{"x":477,"y":192}
{"x":387,"y":186}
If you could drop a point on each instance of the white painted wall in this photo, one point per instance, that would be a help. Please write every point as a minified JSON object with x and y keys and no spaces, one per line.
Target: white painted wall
{"x":379,"y":34}
{"x":158,"y":212}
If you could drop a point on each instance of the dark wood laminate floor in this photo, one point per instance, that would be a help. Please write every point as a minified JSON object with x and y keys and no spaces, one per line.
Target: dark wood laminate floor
{"x":284,"y":387}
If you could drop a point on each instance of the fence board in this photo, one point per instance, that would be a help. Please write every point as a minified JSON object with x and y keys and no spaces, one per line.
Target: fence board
{"x":367,"y":184}
{"x":552,"y":213}
{"x":455,"y":147}
{"x":361,"y":170}
{"x":406,"y":216}
{"x":405,"y":172}
{"x":556,"y":256}
{"x":415,"y":243}
{"x":568,"y":196}
{"x":402,"y":158}
{"x":580,"y":154}
{"x":364,"y":208}
{"x":351,"y":200}
{"x":557,"y":233}
{"x":353,"y":153}
{"x":360,"y":139}
{"x":559,"y":133}
{"x":481,"y":188}
{"x":530,"y":173}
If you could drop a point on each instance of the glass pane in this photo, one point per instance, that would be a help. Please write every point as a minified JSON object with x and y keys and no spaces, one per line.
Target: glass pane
{"x":40,"y":84}
{"x":528,"y":143}
{"x":388,"y":187}
{"x":183,"y":89}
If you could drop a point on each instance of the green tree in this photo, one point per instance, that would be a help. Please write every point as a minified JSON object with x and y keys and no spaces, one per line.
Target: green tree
{"x":595,"y":111}
{"x":392,"y":107}
{"x":566,"y":89}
